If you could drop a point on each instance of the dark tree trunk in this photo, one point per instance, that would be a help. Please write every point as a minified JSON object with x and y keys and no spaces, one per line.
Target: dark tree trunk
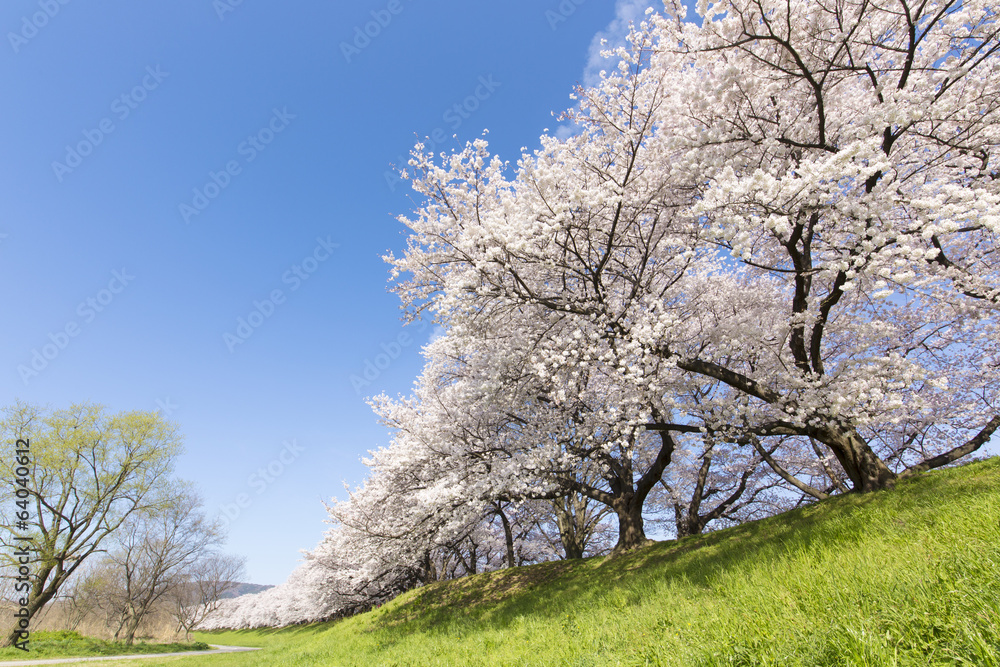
{"x":631,"y":533}
{"x":571,"y":546}
{"x":570,"y":535}
{"x":131,"y":628}
{"x":40,"y":596}
{"x":430,"y":570}
{"x":34,"y":606}
{"x":689,"y":521}
{"x":865,"y":469}
{"x":687,"y":524}
{"x":508,"y":537}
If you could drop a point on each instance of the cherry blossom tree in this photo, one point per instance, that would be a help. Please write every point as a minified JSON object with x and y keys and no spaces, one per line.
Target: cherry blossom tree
{"x":848,"y":152}
{"x":308,"y":595}
{"x":719,"y":484}
{"x":795,"y":201}
{"x":494,"y":424}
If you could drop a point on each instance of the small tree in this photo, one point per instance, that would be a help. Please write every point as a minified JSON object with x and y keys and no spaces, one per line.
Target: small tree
{"x":91,"y":593}
{"x":205,"y":584}
{"x":155,"y":549}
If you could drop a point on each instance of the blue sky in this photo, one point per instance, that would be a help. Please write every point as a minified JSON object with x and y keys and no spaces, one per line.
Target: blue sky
{"x":168,"y":168}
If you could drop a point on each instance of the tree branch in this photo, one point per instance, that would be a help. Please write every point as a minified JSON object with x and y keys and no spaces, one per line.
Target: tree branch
{"x":955,"y":454}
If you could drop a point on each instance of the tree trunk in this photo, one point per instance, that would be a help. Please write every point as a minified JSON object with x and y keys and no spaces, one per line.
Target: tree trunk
{"x":38,"y":598}
{"x":571,"y":546}
{"x":133,"y":626}
{"x":122,"y":620}
{"x":508,"y":537}
{"x":473,"y":559}
{"x":429,"y":569}
{"x":865,"y":469}
{"x":630,"y":526}
{"x":34,"y":606}
{"x":685,"y":523}
{"x":569,"y":533}
{"x":688,"y":520}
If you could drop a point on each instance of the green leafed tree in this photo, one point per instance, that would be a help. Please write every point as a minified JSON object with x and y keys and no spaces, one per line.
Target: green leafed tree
{"x":90,"y":470}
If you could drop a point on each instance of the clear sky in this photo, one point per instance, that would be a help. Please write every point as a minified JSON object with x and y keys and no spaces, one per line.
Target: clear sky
{"x":170,"y":167}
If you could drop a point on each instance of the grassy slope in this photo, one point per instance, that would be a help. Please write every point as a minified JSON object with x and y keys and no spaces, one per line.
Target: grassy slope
{"x":907,"y":577}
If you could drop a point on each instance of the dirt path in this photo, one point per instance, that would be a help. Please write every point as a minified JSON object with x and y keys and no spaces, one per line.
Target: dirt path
{"x":73,"y":661}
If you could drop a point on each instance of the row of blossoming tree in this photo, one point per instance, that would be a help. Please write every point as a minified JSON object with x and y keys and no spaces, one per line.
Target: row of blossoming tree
{"x":763,"y":263}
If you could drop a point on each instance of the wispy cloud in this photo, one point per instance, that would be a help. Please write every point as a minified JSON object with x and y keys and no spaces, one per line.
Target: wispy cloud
{"x":613,"y":36}
{"x":627,"y":12}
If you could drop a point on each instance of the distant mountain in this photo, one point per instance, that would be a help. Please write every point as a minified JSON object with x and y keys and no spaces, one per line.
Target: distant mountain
{"x":245,"y":589}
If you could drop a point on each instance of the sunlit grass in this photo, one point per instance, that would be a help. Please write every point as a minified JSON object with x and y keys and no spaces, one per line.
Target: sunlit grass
{"x":71,"y":644}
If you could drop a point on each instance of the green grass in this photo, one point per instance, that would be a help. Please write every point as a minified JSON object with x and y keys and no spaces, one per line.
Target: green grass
{"x":65,"y":644}
{"x":904,"y":577}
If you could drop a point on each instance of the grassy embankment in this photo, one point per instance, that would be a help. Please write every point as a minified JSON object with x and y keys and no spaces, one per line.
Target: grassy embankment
{"x":905,"y":577}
